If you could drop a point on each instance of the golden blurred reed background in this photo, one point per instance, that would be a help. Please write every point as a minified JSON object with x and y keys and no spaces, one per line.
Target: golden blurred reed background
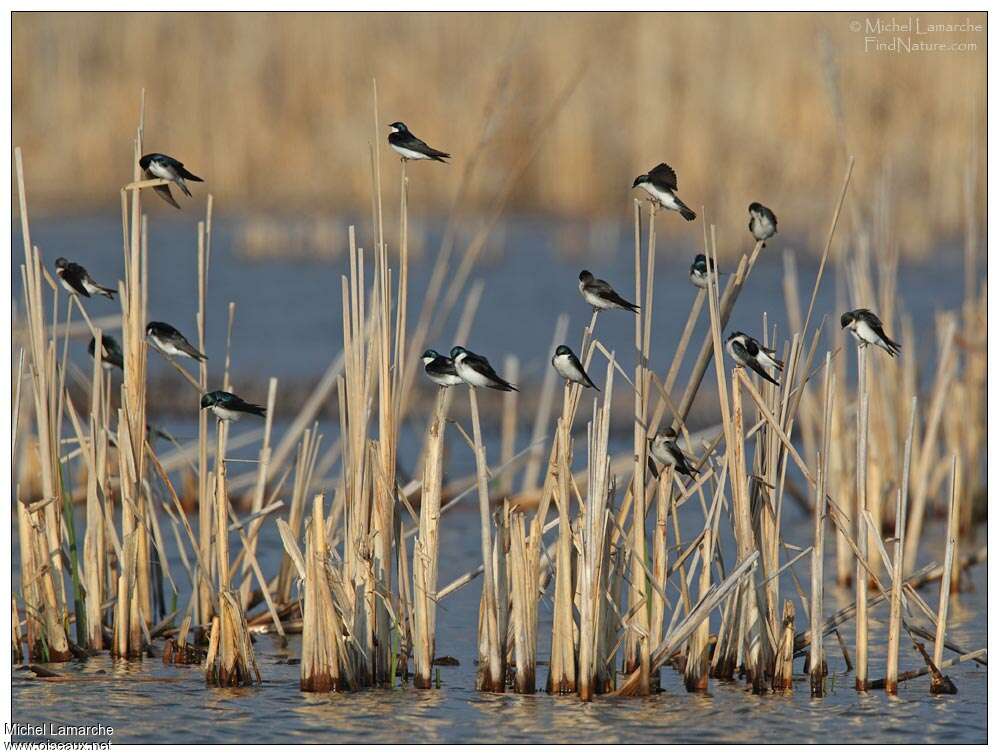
{"x":274,"y":111}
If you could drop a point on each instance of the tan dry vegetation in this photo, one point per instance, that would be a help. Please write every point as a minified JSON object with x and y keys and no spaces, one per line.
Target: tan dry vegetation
{"x":265,"y":106}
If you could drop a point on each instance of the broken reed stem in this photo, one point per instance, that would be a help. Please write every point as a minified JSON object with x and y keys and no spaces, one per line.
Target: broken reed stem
{"x":491,"y":676}
{"x":948,"y":566}
{"x":785,"y":650}
{"x":426,"y":550}
{"x":860,"y":579}
{"x":895,"y":611}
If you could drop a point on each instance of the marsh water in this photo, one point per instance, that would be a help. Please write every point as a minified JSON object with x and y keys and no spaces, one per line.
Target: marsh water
{"x":287,"y":324}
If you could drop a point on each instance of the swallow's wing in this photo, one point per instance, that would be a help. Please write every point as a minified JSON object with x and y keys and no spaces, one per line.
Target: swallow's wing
{"x":416,"y":144}
{"x":579,"y":366}
{"x":233,"y":402}
{"x":604,"y":290}
{"x":164,"y":192}
{"x":663,"y":174}
{"x":182,"y":171}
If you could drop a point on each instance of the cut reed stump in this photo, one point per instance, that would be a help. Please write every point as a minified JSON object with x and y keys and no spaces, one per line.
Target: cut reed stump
{"x":426,"y":551}
{"x":325,"y":662}
{"x":785,"y":650}
{"x":179,"y":651}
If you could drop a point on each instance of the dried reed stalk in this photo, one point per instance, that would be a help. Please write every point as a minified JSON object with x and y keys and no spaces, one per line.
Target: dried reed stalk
{"x":231,"y":661}
{"x":785,"y":650}
{"x":637,"y":641}
{"x":562,"y":668}
{"x":426,"y":550}
{"x":895,"y":610}
{"x":948,"y":569}
{"x":325,"y":662}
{"x":491,"y":675}
{"x":594,"y":558}
{"x":860,"y":581}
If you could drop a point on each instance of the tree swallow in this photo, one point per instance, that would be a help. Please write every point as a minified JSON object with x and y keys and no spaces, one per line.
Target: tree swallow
{"x":762,"y":222}
{"x":76,"y":280}
{"x":660,"y":184}
{"x":475,"y":370}
{"x":158,"y":166}
{"x":230,"y":407}
{"x":567,"y":364}
{"x":402,"y":140}
{"x":867,"y":328}
{"x":600,"y":296}
{"x":748,"y":352}
{"x":170,"y":341}
{"x":111,"y":354}
{"x":665,"y":451}
{"x":440,"y":369}
{"x":699,"y":271}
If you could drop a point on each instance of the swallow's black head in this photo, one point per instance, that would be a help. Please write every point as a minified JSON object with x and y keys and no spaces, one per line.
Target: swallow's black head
{"x":429,"y":355}
{"x":561,"y":350}
{"x":585,"y":275}
{"x":640,"y":180}
{"x":145,"y":160}
{"x":399,"y":126}
{"x":456,"y":351}
{"x":60,"y":263}
{"x":845,"y":319}
{"x":735,"y":335}
{"x":208,"y":400}
{"x":152,"y":327}
{"x":669,"y":433}
{"x":756,"y":208}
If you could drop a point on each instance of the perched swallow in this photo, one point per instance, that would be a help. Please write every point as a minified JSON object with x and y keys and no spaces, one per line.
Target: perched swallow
{"x":660,"y":184}
{"x":402,"y":140}
{"x":111,"y":354}
{"x":475,"y":370}
{"x":567,"y":364}
{"x":748,"y":352}
{"x":664,"y":450}
{"x":230,"y":407}
{"x":440,"y":369}
{"x":867,"y":328}
{"x":158,"y":166}
{"x":699,"y":271}
{"x":762,"y":222}
{"x":600,"y":296}
{"x":76,"y":280}
{"x":170,"y":341}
